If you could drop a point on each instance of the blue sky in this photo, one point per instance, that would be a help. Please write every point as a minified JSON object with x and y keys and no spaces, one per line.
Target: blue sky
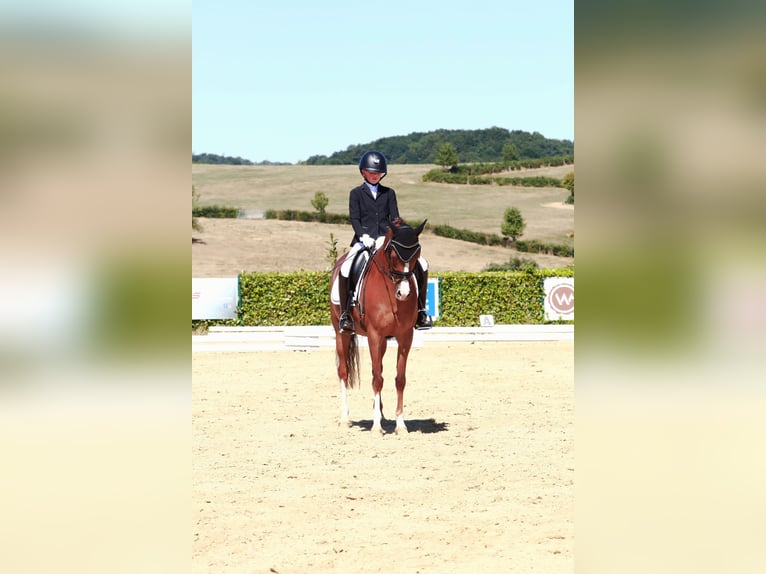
{"x":136,"y":20}
{"x":285,"y":80}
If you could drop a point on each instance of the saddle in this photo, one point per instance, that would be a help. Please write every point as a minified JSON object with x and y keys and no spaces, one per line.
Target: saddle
{"x":357,"y":272}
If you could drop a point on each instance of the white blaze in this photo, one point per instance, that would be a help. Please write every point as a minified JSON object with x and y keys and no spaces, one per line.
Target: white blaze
{"x":404,"y":286}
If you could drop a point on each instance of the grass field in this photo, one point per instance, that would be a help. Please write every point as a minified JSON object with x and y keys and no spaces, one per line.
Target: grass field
{"x":475,"y":207}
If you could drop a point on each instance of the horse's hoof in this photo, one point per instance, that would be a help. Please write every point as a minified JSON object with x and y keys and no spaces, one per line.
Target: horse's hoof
{"x":344,"y":424}
{"x":401,"y":430}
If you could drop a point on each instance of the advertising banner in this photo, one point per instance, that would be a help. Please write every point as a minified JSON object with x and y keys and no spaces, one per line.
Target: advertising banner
{"x":215,"y":298}
{"x":434,"y":297}
{"x":559,"y":298}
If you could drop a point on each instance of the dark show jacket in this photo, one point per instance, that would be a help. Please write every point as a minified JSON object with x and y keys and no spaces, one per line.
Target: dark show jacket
{"x":370,"y":215}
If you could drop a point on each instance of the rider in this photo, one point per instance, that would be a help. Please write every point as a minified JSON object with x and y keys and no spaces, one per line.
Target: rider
{"x":372,"y":207}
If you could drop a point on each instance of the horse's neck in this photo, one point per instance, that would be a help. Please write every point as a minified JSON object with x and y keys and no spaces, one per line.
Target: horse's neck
{"x":377,"y":271}
{"x":379,"y":263}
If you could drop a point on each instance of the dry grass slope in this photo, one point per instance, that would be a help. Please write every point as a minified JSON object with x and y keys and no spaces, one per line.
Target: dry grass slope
{"x":233,"y":246}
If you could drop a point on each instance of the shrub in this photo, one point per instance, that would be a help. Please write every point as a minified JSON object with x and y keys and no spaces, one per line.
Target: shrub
{"x":513,"y":264}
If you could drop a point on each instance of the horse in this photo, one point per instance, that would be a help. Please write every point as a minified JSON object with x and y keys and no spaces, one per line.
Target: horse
{"x":386,"y":309}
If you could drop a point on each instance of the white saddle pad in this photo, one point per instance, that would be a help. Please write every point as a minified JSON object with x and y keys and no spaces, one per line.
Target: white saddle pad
{"x":335,"y":292}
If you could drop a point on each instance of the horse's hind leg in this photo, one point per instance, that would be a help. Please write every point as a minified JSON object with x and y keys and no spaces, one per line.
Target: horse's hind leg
{"x":344,"y":420}
{"x":342,"y":351}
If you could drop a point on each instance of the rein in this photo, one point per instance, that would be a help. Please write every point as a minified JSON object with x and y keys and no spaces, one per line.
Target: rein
{"x":394,"y":275}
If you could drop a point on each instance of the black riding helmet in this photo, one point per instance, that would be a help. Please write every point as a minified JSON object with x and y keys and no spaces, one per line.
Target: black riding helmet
{"x":373,"y":161}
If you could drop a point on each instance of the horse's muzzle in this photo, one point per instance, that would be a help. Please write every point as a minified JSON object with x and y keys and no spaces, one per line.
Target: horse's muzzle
{"x":402,"y":290}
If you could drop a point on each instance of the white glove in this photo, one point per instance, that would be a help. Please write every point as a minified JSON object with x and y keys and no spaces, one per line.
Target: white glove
{"x":367,"y":241}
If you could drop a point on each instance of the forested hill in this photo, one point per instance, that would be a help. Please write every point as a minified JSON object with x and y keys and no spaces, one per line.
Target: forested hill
{"x":228,"y":160}
{"x":484,"y":145}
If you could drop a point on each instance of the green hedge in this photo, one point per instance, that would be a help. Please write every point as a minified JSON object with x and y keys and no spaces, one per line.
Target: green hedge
{"x":470,"y":173}
{"x":302,"y":298}
{"x":461,"y":177}
{"x":528,"y":246}
{"x":536,"y":181}
{"x":219,"y":211}
{"x":310,"y":216}
{"x":535,"y":246}
{"x":269,"y":299}
{"x":512,"y":297}
{"x":467,"y":235}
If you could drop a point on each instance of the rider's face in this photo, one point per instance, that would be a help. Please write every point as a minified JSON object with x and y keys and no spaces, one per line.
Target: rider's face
{"x":372,"y":177}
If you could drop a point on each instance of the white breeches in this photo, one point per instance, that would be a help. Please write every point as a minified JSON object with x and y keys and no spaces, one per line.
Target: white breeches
{"x":346,"y":267}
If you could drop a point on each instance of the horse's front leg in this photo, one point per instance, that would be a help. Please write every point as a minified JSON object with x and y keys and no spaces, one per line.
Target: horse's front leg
{"x":404,"y":343}
{"x":377,"y":350}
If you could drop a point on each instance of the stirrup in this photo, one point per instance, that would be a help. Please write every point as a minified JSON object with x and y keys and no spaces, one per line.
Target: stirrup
{"x":423,"y":321}
{"x":345,"y":324}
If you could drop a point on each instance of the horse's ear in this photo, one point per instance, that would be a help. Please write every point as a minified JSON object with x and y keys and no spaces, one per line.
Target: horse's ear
{"x":420,"y":227}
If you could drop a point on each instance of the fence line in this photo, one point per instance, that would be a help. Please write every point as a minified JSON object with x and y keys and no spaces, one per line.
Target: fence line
{"x":244,"y":339}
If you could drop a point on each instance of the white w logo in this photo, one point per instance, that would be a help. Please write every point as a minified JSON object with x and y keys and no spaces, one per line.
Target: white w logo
{"x":561,"y":298}
{"x":564,"y":299}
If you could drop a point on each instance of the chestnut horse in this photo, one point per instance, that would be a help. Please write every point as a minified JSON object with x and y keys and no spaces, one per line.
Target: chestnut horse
{"x":387,"y":307}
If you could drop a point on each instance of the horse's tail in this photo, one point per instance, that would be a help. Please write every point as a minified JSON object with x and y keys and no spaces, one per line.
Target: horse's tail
{"x":352,"y":363}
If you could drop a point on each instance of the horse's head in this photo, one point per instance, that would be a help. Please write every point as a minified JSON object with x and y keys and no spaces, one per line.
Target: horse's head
{"x":402,"y":249}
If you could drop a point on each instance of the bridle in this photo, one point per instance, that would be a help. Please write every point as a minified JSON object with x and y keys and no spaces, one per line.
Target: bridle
{"x":394,"y":275}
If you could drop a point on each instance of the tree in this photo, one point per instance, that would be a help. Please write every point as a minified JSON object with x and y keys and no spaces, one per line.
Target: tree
{"x":513,"y":224}
{"x":446,"y":156}
{"x":510,"y":154}
{"x":568,"y":182}
{"x":320,"y":202}
{"x":332,"y":250}
{"x":196,"y":225}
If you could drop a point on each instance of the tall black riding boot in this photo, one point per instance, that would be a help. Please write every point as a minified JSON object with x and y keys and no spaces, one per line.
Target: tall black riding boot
{"x":345,"y":323}
{"x":424,"y":320}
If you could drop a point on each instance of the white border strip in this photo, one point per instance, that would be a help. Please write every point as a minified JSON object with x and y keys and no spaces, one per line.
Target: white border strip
{"x":245,"y":339}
